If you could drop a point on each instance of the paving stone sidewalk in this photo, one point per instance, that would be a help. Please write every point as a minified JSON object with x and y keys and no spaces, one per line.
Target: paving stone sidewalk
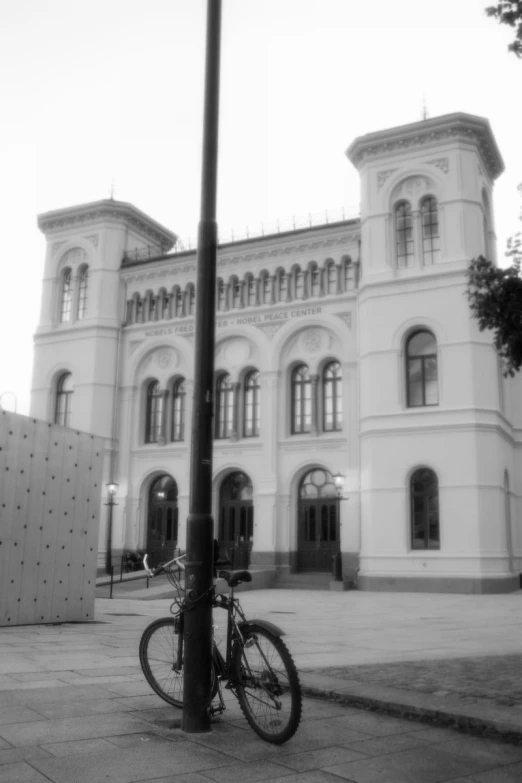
{"x":75,"y":708}
{"x":495,"y":678}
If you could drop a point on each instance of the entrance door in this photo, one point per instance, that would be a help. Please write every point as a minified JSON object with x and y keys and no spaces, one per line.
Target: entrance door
{"x":162,"y":528}
{"x":236,"y":519}
{"x":318,"y":522}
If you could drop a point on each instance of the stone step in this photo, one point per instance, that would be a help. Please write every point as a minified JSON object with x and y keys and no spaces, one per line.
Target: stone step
{"x":303,"y":581}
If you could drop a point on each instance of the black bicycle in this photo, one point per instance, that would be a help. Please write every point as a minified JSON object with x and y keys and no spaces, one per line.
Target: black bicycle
{"x":257,"y":666}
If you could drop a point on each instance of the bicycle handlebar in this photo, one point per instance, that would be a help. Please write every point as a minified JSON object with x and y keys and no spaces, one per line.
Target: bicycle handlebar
{"x":152,"y":572}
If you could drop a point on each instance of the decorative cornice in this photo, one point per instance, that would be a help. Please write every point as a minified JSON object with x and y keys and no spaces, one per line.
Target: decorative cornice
{"x":84,"y":215}
{"x":450,"y":127}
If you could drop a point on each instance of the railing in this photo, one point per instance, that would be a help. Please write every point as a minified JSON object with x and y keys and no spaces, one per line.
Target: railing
{"x":268,"y":228}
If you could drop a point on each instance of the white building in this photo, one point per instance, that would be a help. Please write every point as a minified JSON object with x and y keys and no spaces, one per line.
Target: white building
{"x":347,"y":347}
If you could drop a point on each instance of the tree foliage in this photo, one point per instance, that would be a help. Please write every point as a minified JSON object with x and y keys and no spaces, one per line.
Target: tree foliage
{"x":495,"y":299}
{"x":509,"y":12}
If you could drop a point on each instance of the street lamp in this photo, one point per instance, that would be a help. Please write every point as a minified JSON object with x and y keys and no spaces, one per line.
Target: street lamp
{"x":112,"y":488}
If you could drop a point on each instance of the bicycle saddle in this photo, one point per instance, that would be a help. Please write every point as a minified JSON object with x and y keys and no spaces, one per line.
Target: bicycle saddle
{"x":234,"y":578}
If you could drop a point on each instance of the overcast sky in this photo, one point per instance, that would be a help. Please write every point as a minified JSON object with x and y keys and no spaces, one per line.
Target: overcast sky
{"x":92,"y":92}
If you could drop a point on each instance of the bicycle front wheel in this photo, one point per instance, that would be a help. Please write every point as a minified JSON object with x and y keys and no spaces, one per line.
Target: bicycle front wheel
{"x":160,"y":659}
{"x":268,"y":686}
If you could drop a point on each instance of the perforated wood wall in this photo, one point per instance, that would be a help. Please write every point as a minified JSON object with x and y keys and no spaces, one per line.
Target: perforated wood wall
{"x":50,"y":490}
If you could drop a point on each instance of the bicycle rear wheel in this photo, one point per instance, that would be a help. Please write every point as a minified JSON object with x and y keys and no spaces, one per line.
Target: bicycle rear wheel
{"x":159,"y":652}
{"x":268,"y":686}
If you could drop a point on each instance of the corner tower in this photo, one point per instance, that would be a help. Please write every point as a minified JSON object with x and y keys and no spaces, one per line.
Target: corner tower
{"x":77,"y":339}
{"x":433,"y":451}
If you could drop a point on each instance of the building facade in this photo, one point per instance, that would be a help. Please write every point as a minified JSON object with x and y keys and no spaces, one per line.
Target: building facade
{"x":346,"y":348}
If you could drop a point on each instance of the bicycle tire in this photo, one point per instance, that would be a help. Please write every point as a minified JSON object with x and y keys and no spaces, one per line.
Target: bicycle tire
{"x":158,"y":651}
{"x":268,"y":687}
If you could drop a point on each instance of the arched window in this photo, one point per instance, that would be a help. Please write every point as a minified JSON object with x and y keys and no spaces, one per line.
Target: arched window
{"x":301,"y":400}
{"x":332,"y":397}
{"x":430,"y":231}
{"x":165,"y":305}
{"x":152,"y":307}
{"x":64,"y":392}
{"x":154,"y":414}
{"x":251,"y":291}
{"x":424,"y":502}
{"x":179,"y":300}
{"x":221,"y":295}
{"x":178,"y":410}
{"x":348,"y":274}
{"x":236,"y":294}
{"x":82,"y":292}
{"x":139,"y":309}
{"x":224,"y":406}
{"x":331,"y":277}
{"x":191,"y":297}
{"x":421,"y":370}
{"x":66,"y":296}
{"x":266,"y":288}
{"x":251,"y":409}
{"x":404,"y":234}
{"x":130,"y":311}
{"x":282,"y":286}
{"x":315,"y":281}
{"x":299,"y":284}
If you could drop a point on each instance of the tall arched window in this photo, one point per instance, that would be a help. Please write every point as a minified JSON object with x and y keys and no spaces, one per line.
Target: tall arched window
{"x":301,"y":400}
{"x":331,"y":277}
{"x":139,"y":309}
{"x":179,"y":301}
{"x":165,"y":305}
{"x":404,"y":234}
{"x":266,"y":288}
{"x":191,"y":297}
{"x":315,"y":281}
{"x":82,"y":292}
{"x":152,"y":307}
{"x":64,"y":392}
{"x":299,"y":284}
{"x":66,"y":296}
{"x":224,"y":406}
{"x":332,"y":397}
{"x":282,"y":286}
{"x":251,"y":409}
{"x":221,"y":295}
{"x":251,"y":291}
{"x":154,"y":414}
{"x":424,"y":502}
{"x":430,"y":231}
{"x":421,"y":370}
{"x":236,"y":294}
{"x":178,"y":410}
{"x":348,"y":274}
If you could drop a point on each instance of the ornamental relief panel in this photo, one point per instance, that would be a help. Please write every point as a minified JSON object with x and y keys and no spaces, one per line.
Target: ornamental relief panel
{"x":413,"y":188}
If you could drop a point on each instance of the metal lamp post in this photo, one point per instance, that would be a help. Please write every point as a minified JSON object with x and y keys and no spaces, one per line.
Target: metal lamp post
{"x":112,"y":488}
{"x":197,"y":686}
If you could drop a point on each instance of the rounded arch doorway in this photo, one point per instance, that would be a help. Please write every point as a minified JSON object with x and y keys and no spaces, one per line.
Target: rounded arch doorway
{"x":236,"y":519}
{"x":162,"y":519}
{"x":318,"y":530}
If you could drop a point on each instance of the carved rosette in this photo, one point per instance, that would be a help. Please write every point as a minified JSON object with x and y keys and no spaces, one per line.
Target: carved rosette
{"x":312,"y":341}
